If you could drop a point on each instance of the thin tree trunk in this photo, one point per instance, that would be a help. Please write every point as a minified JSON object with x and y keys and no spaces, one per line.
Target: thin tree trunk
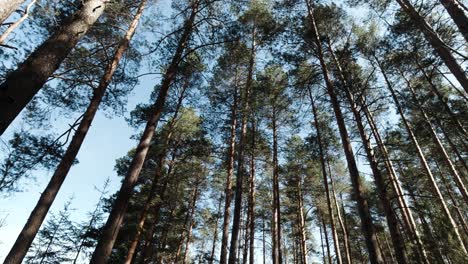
{"x":277,"y":250}
{"x":17,"y":23}
{"x":392,"y":222}
{"x":241,"y":159}
{"x":453,"y":199}
{"x":436,"y":42}
{"x":112,"y":227}
{"x":157,"y":176}
{"x":327,"y":243}
{"x":7,"y":7}
{"x":302,"y":227}
{"x":325,"y":179}
{"x":264,"y":242}
{"x":30,"y":229}
{"x":252,"y":195}
{"x":443,"y":100}
{"x":215,"y":233}
{"x":230,"y":172}
{"x":423,"y":160}
{"x":21,"y":85}
{"x":438,"y":143}
{"x":340,"y":220}
{"x":367,"y":225}
{"x":322,"y":245}
{"x":395,"y":181}
{"x":190,"y":229}
{"x":458,"y":16}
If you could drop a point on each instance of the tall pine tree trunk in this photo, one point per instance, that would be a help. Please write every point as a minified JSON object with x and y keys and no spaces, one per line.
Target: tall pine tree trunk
{"x":240,"y":155}
{"x":423,"y":160}
{"x":277,"y":250}
{"x":215,"y":232}
{"x":230,"y":172}
{"x":367,"y":225}
{"x":392,"y":222}
{"x":458,"y":16}
{"x":252,"y":195}
{"x":22,"y":84}
{"x":325,"y":178}
{"x":113,"y":224}
{"x":157,"y":176}
{"x":340,"y":220}
{"x":436,"y":42}
{"x":30,"y":229}
{"x":7,"y":7}
{"x":438,"y":143}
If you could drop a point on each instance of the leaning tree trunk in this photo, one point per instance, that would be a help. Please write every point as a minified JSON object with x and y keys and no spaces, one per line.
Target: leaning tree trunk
{"x":375,"y":255}
{"x":436,"y":42}
{"x":114,"y":221}
{"x":157,"y":176}
{"x":230,"y":171}
{"x":325,"y":179}
{"x":7,"y":7}
{"x":458,"y":16}
{"x":438,"y":143}
{"x":424,"y":163}
{"x":30,"y":229}
{"x":396,"y":185}
{"x":392,"y":221}
{"x":22,"y":84}
{"x":240,"y":156}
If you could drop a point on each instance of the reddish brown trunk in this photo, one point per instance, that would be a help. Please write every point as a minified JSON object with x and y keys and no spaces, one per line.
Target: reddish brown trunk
{"x":230,"y":171}
{"x":112,"y":227}
{"x":24,"y":240}
{"x":375,"y":256}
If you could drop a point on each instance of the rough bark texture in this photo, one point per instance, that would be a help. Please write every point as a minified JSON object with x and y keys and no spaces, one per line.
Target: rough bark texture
{"x":113,"y":224}
{"x":230,"y":171}
{"x":375,"y":255}
{"x":7,"y":7}
{"x":24,"y":240}
{"x":458,"y":16}
{"x":436,"y":42}
{"x":21,"y":85}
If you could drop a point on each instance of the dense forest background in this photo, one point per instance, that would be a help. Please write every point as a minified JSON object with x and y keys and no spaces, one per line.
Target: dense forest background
{"x":211,"y":131}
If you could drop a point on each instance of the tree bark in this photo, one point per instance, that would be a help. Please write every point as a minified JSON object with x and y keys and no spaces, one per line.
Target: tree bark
{"x":458,"y":16}
{"x":252,"y":195}
{"x":240,"y":159}
{"x":340,"y":220}
{"x":24,"y":240}
{"x":7,"y":7}
{"x":230,"y":172}
{"x":392,"y":222}
{"x":423,"y":160}
{"x":157,"y":176}
{"x":215,"y":233}
{"x":375,"y":256}
{"x":277,"y":250}
{"x":21,"y":85}
{"x":325,"y":179}
{"x":436,"y":42}
{"x":438,"y":143}
{"x":112,"y":227}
